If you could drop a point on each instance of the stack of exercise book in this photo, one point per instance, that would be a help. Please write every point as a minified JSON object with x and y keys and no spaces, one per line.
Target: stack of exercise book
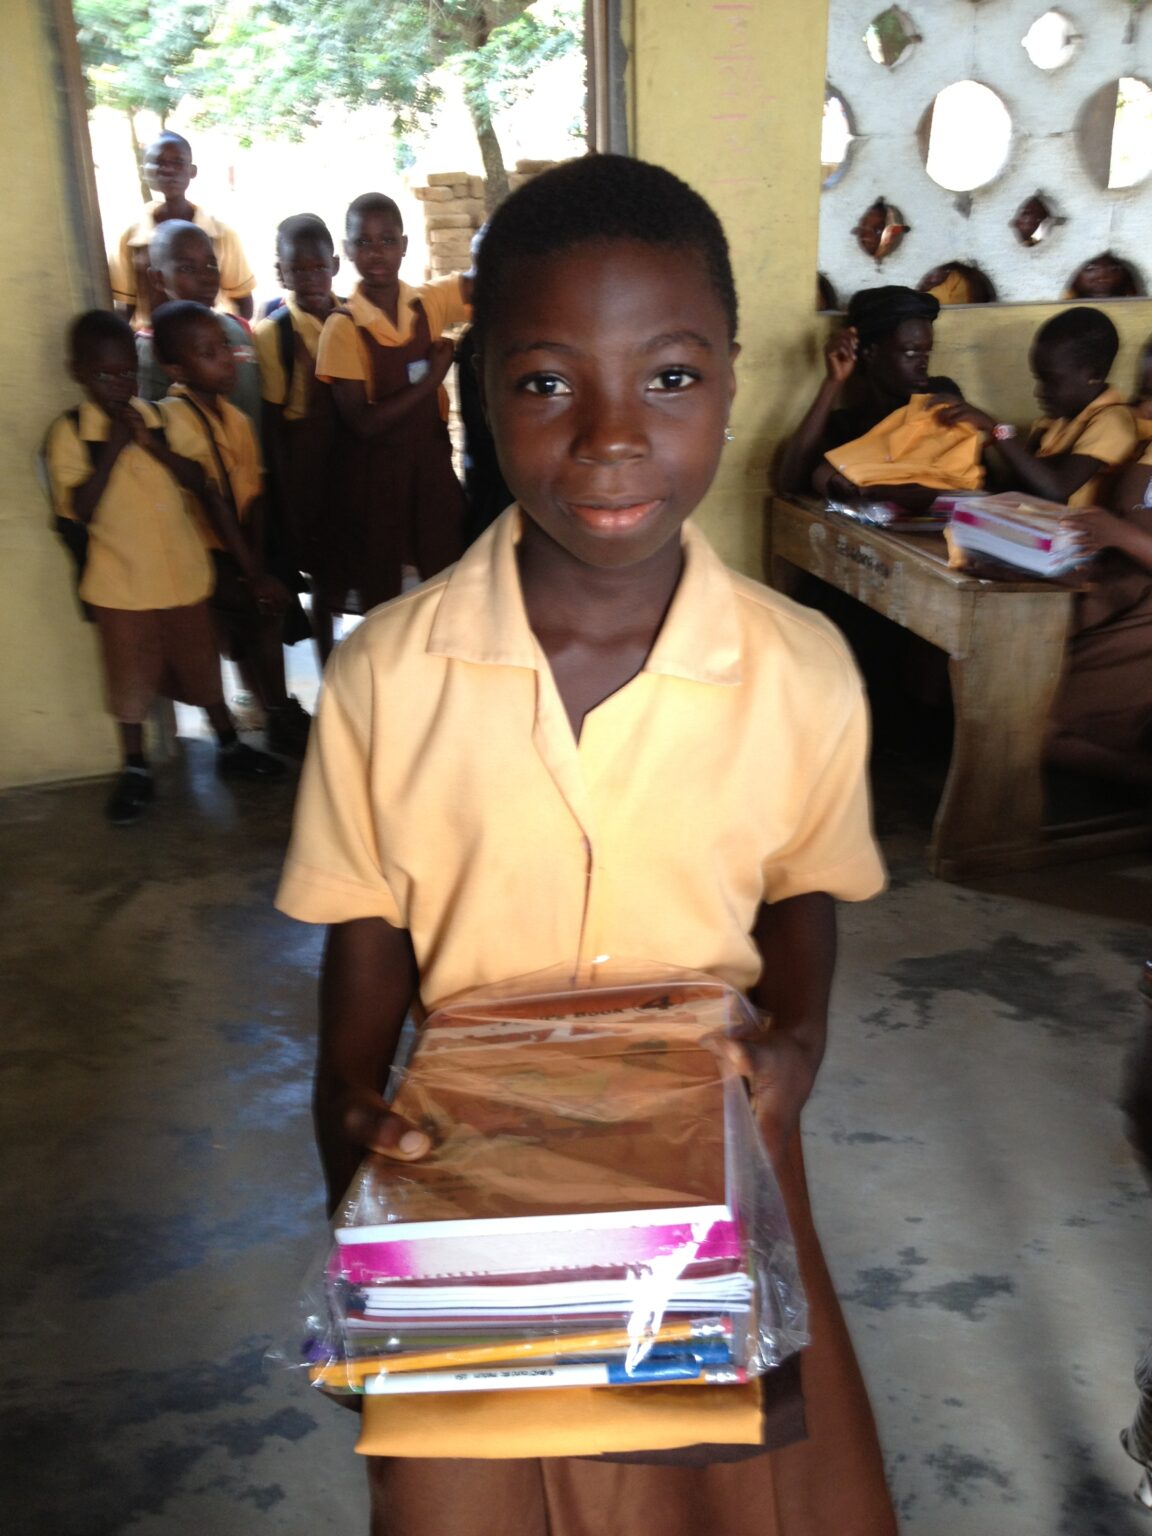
{"x":1014,"y":529}
{"x":596,"y":1209}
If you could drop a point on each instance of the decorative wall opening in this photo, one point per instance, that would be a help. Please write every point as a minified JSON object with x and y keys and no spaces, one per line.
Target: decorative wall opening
{"x":891,"y":36}
{"x":965,"y":136}
{"x":1051,"y":41}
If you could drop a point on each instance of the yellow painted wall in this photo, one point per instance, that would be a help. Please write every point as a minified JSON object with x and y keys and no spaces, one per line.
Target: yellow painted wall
{"x":52,"y":725}
{"x":730,"y":97}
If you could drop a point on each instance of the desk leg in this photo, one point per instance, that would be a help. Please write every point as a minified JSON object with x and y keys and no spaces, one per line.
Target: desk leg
{"x":991,"y":812}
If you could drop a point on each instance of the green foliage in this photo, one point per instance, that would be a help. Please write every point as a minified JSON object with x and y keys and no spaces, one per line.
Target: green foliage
{"x":138,"y":53}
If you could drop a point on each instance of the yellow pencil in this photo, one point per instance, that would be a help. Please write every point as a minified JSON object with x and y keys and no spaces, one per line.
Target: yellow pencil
{"x":346,"y":1372}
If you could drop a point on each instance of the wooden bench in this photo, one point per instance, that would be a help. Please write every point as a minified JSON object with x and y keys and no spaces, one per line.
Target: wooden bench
{"x":1005,"y":643}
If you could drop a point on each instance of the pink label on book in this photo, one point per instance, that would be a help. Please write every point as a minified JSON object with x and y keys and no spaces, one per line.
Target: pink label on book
{"x":434,"y":1258}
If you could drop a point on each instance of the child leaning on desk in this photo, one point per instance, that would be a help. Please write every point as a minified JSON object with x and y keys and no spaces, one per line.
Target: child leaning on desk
{"x":590,"y":738}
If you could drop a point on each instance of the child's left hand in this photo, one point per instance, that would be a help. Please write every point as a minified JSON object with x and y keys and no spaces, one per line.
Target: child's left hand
{"x":780,"y":1077}
{"x":1096,"y":529}
{"x":956,"y":413}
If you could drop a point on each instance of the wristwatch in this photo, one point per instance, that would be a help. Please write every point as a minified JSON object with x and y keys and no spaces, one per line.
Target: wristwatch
{"x":1003,"y":432}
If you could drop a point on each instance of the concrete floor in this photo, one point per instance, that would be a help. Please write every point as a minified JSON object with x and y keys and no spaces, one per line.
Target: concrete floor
{"x":989,"y":1231}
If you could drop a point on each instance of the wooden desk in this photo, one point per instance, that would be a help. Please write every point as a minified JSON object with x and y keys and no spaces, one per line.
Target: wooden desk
{"x":1005,"y":643}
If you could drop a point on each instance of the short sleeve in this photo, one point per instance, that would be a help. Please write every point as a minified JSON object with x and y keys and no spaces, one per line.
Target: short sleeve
{"x":122,"y":271}
{"x":67,"y":463}
{"x":1109,"y":436}
{"x":339,"y":355}
{"x":236,"y":279}
{"x":444,"y":304}
{"x":833,"y":848}
{"x":332,"y":873}
{"x":266,"y":339}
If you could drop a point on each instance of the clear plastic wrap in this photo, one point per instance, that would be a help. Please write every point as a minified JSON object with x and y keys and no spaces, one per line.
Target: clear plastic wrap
{"x":597,"y":1208}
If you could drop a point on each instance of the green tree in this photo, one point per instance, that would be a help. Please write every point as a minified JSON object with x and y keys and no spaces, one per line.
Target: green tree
{"x":138,"y":55}
{"x":271,"y":67}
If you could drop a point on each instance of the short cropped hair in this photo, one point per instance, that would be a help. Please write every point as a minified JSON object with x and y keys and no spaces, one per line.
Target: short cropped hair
{"x":168,"y":137}
{"x":371,"y":202}
{"x":165,"y":236}
{"x":303,"y":226}
{"x":1087,"y":335}
{"x":600,"y":197}
{"x":91,"y":329}
{"x":171,"y":324}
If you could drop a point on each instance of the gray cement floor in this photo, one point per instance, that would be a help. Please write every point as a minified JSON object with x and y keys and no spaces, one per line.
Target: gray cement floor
{"x":989,"y":1231}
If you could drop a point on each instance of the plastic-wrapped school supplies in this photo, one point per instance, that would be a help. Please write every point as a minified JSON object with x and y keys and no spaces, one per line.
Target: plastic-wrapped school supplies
{"x":892,"y":516}
{"x":1015,"y":529}
{"x":597,"y":1209}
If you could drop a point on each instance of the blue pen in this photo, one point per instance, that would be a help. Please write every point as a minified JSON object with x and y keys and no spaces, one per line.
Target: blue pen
{"x":700,"y":1351}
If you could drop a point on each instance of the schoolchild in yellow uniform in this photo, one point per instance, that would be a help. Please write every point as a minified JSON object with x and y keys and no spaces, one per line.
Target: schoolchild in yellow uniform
{"x":1086,"y":431}
{"x":202,"y":425}
{"x":168,"y":170}
{"x":299,"y":419}
{"x":386,"y":358}
{"x":587,"y":739}
{"x":146,"y":576}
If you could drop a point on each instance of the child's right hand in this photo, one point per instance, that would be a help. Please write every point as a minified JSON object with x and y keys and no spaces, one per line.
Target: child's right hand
{"x":369,"y":1122}
{"x":840,"y":355}
{"x":440,"y":359}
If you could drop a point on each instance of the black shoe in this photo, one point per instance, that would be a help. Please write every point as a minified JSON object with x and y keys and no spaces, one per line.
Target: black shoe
{"x":240,"y":761}
{"x":135,"y":789}
{"x":287,"y":728}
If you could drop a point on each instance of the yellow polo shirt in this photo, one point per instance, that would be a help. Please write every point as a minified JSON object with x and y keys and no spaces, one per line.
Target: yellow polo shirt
{"x":236,"y":279}
{"x":1103,"y":430}
{"x":443,"y":789}
{"x":273,"y":385}
{"x":342,"y":354}
{"x":143,"y":547}
{"x":236,"y":445}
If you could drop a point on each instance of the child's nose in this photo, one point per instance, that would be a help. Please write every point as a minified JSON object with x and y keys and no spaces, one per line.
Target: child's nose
{"x":611,"y":430}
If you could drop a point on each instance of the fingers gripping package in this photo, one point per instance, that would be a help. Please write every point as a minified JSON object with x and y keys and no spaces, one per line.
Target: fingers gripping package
{"x":597,"y":1210}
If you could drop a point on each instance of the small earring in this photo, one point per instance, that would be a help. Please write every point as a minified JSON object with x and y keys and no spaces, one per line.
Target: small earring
{"x":729,"y":435}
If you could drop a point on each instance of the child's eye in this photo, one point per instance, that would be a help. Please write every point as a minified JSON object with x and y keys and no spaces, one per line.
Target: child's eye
{"x":673,"y":380}
{"x":546,"y":384}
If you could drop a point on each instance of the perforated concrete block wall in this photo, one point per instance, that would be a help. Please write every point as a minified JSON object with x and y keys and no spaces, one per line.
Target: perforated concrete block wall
{"x":982,"y":40}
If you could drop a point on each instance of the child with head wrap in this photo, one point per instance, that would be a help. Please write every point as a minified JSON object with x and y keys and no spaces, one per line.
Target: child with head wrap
{"x":884,"y":350}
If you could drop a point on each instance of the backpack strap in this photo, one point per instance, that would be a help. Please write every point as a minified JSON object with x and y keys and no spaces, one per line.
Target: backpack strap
{"x":222,"y":474}
{"x":286,"y":345}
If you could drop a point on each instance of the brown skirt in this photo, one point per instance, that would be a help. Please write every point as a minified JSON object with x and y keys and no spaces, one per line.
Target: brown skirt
{"x":830,"y":1484}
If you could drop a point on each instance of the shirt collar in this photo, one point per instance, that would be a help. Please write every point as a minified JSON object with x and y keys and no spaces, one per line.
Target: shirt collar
{"x":145,"y":227}
{"x":1105,"y":398}
{"x":94,"y":422}
{"x":373,"y":318}
{"x":481,"y":617}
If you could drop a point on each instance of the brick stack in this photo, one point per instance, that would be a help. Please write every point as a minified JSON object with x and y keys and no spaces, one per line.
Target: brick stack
{"x":454,"y":210}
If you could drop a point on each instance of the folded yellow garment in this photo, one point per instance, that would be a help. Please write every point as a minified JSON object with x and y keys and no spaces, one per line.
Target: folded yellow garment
{"x":910,"y":447}
{"x":569,"y":1421}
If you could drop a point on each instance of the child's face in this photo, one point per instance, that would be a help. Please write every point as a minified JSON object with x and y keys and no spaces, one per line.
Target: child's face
{"x":376,"y":246}
{"x":608,"y":383}
{"x":898,"y":364}
{"x":107,"y":373}
{"x":1102,"y":278}
{"x":206,"y":362}
{"x":306,"y":269}
{"x":189,"y":270}
{"x":1064,"y":386}
{"x":168,"y":168}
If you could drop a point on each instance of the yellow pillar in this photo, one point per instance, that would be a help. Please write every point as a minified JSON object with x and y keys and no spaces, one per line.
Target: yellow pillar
{"x":52,"y":724}
{"x":730,"y":96}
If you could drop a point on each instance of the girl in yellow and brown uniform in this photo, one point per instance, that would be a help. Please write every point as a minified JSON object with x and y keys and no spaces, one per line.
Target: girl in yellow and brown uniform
{"x":591,"y":738}
{"x":386,"y":358}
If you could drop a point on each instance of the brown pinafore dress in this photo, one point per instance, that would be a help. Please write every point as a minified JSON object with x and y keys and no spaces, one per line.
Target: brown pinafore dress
{"x":403,"y":504}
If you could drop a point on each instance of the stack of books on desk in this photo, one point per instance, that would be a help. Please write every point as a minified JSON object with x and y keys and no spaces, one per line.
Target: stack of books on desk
{"x":1014,"y":529}
{"x":580,"y":1220}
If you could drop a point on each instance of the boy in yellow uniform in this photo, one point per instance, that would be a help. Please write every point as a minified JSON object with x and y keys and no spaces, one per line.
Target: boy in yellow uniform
{"x":299,"y":423}
{"x":1086,"y":431}
{"x":168,"y":169}
{"x":201,"y":425}
{"x":401,"y":506}
{"x":590,"y":739}
{"x":147,"y":576}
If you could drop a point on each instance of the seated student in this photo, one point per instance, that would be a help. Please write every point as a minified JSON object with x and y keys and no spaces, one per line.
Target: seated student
{"x":884,"y":351}
{"x":182,"y":265}
{"x":201,"y":425}
{"x":386,"y":358}
{"x":299,"y":424}
{"x":1086,"y":429}
{"x":958,"y":282}
{"x":147,"y":575}
{"x":1106,"y":276}
{"x":591,"y":738}
{"x":1102,"y":718}
{"x":168,"y":169}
